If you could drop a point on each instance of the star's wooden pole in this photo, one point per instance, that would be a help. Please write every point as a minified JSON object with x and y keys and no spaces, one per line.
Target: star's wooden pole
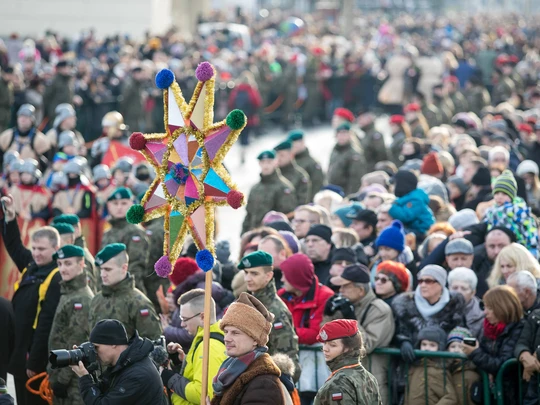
{"x":206,"y":335}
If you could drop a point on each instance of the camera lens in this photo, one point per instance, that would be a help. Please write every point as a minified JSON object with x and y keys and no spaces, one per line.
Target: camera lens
{"x":64,"y":358}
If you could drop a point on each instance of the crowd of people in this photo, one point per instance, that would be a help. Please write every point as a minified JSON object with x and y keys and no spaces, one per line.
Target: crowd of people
{"x":425,"y":238}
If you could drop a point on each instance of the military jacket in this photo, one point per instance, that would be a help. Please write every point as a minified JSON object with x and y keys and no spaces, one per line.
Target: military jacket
{"x":300,"y":180}
{"x":313,"y":168}
{"x":347,"y":166}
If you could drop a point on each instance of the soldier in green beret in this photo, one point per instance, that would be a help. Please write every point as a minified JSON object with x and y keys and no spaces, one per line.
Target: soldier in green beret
{"x":347,"y":165}
{"x":374,"y":148}
{"x":67,"y":233}
{"x":94,"y":281}
{"x":70,"y":325}
{"x":273,"y":192}
{"x":306,"y":161}
{"x":119,"y":299}
{"x":155,"y":232}
{"x":292,"y":172}
{"x":133,"y":236}
{"x":259,"y":276}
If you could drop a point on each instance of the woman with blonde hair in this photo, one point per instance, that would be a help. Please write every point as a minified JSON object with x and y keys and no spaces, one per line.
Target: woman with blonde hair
{"x":344,"y":238}
{"x":512,"y":258}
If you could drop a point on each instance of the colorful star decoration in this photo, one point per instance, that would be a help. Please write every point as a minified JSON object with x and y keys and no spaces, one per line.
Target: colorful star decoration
{"x":191,"y":179}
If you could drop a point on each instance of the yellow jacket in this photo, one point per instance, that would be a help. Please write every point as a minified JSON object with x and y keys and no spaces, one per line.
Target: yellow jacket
{"x":193,"y":369}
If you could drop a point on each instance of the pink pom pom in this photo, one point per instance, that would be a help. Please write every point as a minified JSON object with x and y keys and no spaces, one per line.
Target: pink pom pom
{"x":204,"y":72}
{"x":163,"y":267}
{"x":137,"y":141}
{"x":235,"y":199}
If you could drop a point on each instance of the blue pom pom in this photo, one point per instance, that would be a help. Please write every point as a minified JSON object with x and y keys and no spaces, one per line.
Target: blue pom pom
{"x":164,"y":78}
{"x":204,"y":260}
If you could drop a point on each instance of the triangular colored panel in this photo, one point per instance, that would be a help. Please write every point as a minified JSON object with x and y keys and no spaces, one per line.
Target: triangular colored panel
{"x":176,"y":221}
{"x":190,"y":201}
{"x":198,"y":225}
{"x":172,"y":186}
{"x":215,"y":141}
{"x":174,"y":158}
{"x":157,"y":150}
{"x":191,"y":189}
{"x":193,"y":147}
{"x":180,"y":192}
{"x":197,"y":173}
{"x":159,"y":191}
{"x":175,"y":116}
{"x":154,"y":202}
{"x":197,"y":116}
{"x":215,"y":181}
{"x":210,"y":191}
{"x":172,"y":128}
{"x":180,"y":145}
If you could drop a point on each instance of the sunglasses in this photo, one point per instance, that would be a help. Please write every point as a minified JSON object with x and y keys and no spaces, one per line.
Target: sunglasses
{"x":383,"y":280}
{"x":427,"y":281}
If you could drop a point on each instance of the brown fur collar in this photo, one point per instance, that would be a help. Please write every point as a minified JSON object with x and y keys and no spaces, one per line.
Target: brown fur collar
{"x":261,"y":366}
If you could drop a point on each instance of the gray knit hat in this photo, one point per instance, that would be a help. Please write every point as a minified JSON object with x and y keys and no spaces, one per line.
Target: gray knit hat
{"x":463,"y":218}
{"x":437,"y":272}
{"x":459,"y":245}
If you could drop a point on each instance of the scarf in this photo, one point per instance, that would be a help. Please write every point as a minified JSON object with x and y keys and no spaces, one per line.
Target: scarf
{"x":337,"y":363}
{"x":425,"y":308}
{"x":493,"y":331}
{"x":233,"y":367}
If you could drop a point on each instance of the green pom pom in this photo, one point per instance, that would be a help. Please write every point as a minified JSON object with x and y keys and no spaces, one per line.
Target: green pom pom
{"x":135,"y":214}
{"x":236,"y":119}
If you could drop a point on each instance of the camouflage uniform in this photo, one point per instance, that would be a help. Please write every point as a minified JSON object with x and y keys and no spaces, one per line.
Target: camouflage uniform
{"x":70,"y":327}
{"x":478,"y":98}
{"x":299,"y":179}
{"x":353,"y":385}
{"x":273,"y":192}
{"x":155,"y":232}
{"x":282,"y":338}
{"x":503,"y":90}
{"x":395,"y":147}
{"x":346,"y":168}
{"x":128,"y":305}
{"x":446,"y":108}
{"x":460,"y":102}
{"x":313,"y":169}
{"x":92,"y":273}
{"x":374,"y":147}
{"x":134,"y":237}
{"x":433,"y":115}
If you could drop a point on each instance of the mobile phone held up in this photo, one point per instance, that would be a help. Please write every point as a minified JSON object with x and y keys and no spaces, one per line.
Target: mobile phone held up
{"x":469,"y":341}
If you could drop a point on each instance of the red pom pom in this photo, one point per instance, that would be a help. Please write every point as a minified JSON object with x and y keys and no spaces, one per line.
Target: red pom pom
{"x":137,"y":141}
{"x":235,"y":199}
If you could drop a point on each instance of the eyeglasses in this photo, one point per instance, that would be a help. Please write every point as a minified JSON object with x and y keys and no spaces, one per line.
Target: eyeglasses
{"x":383,"y":280}
{"x":186,"y":320}
{"x":428,"y":281}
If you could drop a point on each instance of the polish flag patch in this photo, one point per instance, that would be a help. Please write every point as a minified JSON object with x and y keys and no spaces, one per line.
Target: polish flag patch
{"x":337,"y":396}
{"x":278,"y":325}
{"x":136,"y":238}
{"x":145,"y":312}
{"x":77,"y":306}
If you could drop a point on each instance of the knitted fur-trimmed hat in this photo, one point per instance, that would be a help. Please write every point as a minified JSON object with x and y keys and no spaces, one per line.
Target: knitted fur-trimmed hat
{"x":249,"y":315}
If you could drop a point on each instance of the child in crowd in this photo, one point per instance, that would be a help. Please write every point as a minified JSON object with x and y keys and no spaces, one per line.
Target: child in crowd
{"x":440,"y":388}
{"x":5,"y":398}
{"x":512,"y":212}
{"x":464,"y":376}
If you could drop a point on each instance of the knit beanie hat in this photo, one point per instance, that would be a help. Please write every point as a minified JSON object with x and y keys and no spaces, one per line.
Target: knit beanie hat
{"x":344,"y":211}
{"x":322,"y":231}
{"x":343,"y":255}
{"x":506,"y":183}
{"x":298,"y":270}
{"x":291,"y":240}
{"x":459,"y":183}
{"x":223,"y":251}
{"x":397,"y":273}
{"x":404,"y":182}
{"x":458,"y":334}
{"x":433,"y":334}
{"x":109,"y":332}
{"x":249,"y":315}
{"x":183,"y":268}
{"x":482,"y":177}
{"x":463,"y":218}
{"x":432,"y":165}
{"x":392,"y":237}
{"x":435,"y":271}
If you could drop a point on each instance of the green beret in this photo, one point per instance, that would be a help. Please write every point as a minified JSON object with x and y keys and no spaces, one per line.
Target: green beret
{"x":63,"y":228}
{"x":296,"y":135}
{"x":108,"y":252}
{"x":285,"y":145}
{"x":65,"y":252}
{"x":121,"y":193}
{"x":71,"y":219}
{"x":267,"y":154}
{"x":256,"y":259}
{"x":344,"y":127}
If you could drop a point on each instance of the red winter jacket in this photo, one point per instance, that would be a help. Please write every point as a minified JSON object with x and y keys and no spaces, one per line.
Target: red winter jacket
{"x":307,"y":311}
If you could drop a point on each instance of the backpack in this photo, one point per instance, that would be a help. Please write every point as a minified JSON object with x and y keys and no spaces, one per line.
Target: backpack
{"x":242,"y":102}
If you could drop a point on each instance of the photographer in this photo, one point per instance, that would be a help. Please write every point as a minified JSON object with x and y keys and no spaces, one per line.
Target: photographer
{"x":130,"y":378}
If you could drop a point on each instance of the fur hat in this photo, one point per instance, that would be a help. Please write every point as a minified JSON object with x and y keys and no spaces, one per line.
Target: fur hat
{"x":249,"y":315}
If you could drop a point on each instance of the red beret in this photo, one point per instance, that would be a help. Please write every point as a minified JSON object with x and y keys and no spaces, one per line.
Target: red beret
{"x":525,"y":128}
{"x":452,"y":79}
{"x":412,"y":107}
{"x":344,"y":113}
{"x":432,"y":164}
{"x":397,"y":119}
{"x":399,"y":270}
{"x":513,"y":59}
{"x":502,"y":60}
{"x":183,"y":268}
{"x":338,"y":329}
{"x":318,"y":51}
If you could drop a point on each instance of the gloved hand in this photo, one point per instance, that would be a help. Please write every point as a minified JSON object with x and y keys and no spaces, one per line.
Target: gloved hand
{"x":339,"y":303}
{"x":60,"y":390}
{"x":407,"y":352}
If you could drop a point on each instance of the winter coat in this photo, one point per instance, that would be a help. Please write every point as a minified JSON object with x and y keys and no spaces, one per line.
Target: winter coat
{"x":7,"y":337}
{"x":393,"y":90}
{"x":134,"y":380}
{"x":30,"y":351}
{"x":259,"y":384}
{"x":482,"y":267}
{"x":313,"y":168}
{"x":6,"y":399}
{"x":432,"y":69}
{"x":322,"y":269}
{"x":460,"y":372}
{"x":346,"y":168}
{"x":412,"y":209}
{"x":59,"y":91}
{"x":483,"y":195}
{"x":440,"y":389}
{"x":255,"y":103}
{"x":474,"y":315}
{"x":307,"y":311}
{"x":409,"y":321}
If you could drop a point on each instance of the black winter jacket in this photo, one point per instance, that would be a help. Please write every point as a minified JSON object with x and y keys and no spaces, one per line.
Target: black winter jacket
{"x":31,"y":346}
{"x":134,"y":380}
{"x":409,"y":321}
{"x":529,"y":340}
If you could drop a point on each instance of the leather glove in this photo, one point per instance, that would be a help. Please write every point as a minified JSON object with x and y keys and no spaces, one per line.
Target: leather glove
{"x":166,"y":375}
{"x":60,"y":390}
{"x":337,"y":302}
{"x":347,"y":309}
{"x":329,"y":308}
{"x":407,"y":352}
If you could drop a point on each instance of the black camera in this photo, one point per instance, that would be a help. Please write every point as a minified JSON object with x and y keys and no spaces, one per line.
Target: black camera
{"x":160,"y":342}
{"x":86,"y":353}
